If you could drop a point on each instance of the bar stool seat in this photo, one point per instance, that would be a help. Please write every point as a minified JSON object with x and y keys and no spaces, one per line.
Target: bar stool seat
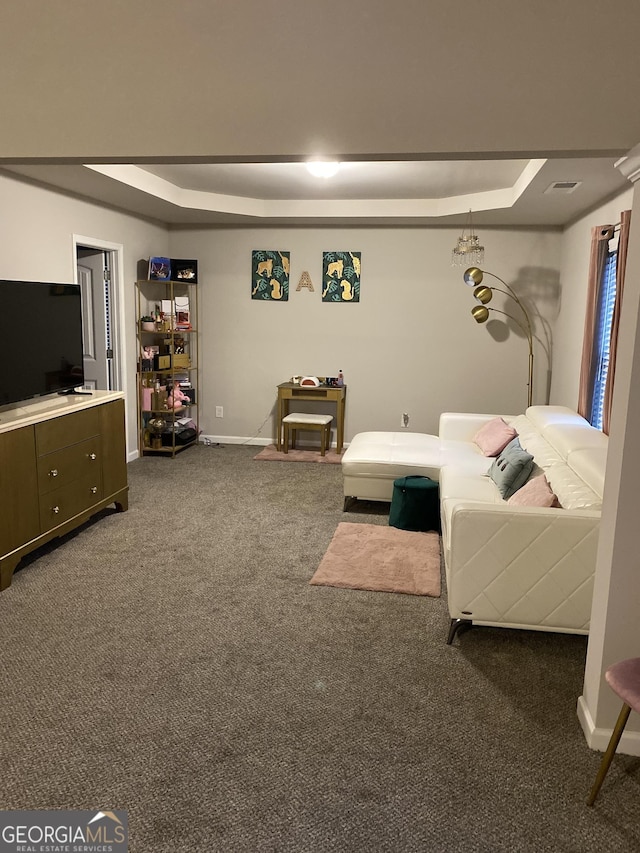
{"x":304,"y":420}
{"x":624,"y":679}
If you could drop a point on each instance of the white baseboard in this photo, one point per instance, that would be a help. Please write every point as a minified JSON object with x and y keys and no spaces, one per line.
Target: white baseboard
{"x":235,"y":439}
{"x":217,"y":439}
{"x":262,"y":442}
{"x":598,"y":739}
{"x":239,"y":439}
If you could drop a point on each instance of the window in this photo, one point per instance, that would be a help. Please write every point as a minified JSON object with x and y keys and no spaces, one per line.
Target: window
{"x":602,"y":342}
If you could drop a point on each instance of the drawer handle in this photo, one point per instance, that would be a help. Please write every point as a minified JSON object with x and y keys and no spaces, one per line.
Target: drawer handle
{"x":55,"y":510}
{"x":53,"y":472}
{"x":94,"y":489}
{"x":92,"y":456}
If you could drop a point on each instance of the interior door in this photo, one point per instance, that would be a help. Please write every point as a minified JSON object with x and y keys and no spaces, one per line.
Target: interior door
{"x":93,"y":278}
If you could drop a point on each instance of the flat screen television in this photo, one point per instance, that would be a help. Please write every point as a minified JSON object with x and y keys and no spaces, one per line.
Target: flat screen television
{"x":41,"y":332}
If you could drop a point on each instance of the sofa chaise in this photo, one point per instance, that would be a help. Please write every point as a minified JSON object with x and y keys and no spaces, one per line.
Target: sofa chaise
{"x":507,"y":563}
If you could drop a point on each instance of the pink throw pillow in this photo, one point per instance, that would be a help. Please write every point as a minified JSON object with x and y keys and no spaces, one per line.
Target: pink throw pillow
{"x":535,"y":492}
{"x":494,"y":436}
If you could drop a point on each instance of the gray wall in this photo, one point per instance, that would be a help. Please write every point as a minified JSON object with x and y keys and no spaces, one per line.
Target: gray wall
{"x":37,"y":227}
{"x":410,"y":345}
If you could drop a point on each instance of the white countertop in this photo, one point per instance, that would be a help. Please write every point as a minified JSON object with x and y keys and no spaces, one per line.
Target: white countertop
{"x":52,"y":406}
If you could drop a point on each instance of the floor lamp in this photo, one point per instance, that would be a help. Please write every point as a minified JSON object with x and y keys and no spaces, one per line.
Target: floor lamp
{"x":484,"y":294}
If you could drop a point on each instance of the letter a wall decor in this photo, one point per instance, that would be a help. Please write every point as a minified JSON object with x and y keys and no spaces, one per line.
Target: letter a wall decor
{"x":341,"y":276}
{"x":270,"y":275}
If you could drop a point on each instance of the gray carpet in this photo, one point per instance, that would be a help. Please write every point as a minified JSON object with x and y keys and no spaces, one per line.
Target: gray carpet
{"x":173,"y":661}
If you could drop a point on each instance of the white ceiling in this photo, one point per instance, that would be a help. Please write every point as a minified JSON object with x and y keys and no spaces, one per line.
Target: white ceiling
{"x":499,"y":192}
{"x":386,"y":180}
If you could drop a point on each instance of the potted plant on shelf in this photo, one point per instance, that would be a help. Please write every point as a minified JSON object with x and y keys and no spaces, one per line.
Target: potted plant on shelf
{"x":147,"y":323}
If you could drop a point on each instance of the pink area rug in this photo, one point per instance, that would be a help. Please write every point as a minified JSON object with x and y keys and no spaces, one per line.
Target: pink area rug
{"x":385,"y":559}
{"x":272,"y":454}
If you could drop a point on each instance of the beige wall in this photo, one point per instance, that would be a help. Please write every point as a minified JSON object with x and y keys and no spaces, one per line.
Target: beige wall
{"x":37,"y":227}
{"x":410,"y":345}
{"x":574,"y":274}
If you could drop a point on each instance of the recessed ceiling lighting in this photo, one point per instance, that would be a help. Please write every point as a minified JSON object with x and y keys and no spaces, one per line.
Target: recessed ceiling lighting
{"x":323,"y":168}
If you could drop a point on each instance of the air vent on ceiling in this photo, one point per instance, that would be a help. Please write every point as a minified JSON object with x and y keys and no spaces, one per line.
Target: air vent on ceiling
{"x":562,"y":187}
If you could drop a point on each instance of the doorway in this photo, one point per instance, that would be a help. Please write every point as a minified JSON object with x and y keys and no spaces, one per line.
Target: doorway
{"x":98,"y":268}
{"x":94,"y":278}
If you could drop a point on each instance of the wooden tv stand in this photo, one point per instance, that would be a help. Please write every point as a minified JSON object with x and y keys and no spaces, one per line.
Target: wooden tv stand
{"x":62,"y":459}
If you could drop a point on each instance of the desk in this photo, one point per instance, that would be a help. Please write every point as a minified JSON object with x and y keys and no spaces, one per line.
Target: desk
{"x":287,"y":391}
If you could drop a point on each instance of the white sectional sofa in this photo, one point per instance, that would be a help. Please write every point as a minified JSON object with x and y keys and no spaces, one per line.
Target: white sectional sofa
{"x":508,"y":565}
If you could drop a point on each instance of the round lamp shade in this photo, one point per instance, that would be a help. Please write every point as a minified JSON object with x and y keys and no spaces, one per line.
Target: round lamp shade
{"x":483,"y":294}
{"x":473,"y":276}
{"x":480,"y":314}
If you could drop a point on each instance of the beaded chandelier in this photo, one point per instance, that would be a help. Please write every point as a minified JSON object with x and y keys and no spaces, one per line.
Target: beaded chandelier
{"x":468,"y":251}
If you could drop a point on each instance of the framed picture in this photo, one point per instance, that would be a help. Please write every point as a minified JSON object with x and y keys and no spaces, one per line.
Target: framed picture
{"x":159,"y":269}
{"x":184,"y":270}
{"x":341,"y":276}
{"x":270,"y":275}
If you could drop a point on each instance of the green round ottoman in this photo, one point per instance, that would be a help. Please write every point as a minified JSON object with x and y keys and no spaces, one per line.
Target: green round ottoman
{"x":415,"y":504}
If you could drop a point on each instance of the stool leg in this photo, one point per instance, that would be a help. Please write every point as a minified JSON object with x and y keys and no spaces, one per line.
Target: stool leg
{"x":611,"y":751}
{"x":323,"y":440}
{"x":293,"y":438}
{"x":286,"y":438}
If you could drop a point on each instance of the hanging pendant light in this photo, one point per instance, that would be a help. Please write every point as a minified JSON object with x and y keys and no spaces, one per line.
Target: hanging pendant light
{"x":468,"y":251}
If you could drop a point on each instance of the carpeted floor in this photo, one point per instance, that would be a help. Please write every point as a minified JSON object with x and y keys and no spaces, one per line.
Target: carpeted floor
{"x":385,"y":559}
{"x":174,"y":661}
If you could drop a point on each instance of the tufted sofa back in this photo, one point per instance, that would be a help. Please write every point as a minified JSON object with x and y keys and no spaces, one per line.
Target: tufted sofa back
{"x":571,"y":452}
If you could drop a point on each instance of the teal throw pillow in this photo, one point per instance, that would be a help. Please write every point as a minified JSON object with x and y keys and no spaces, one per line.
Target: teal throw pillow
{"x":511,"y":469}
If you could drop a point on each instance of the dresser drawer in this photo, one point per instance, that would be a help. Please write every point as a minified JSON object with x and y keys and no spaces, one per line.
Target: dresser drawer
{"x":65,"y":502}
{"x":69,"y":429}
{"x":19,"y":512}
{"x":58,"y":470}
{"x":69,"y":464}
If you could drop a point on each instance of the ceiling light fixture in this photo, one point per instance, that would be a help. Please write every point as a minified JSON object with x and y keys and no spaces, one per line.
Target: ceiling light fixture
{"x":323,"y":168}
{"x":468,"y":249}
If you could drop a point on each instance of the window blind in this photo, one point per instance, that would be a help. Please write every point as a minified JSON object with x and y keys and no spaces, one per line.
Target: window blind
{"x":603,"y":337}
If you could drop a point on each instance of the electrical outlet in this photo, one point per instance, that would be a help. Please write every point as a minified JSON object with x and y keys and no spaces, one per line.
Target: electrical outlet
{"x":219,"y":412}
{"x":404,"y":422}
